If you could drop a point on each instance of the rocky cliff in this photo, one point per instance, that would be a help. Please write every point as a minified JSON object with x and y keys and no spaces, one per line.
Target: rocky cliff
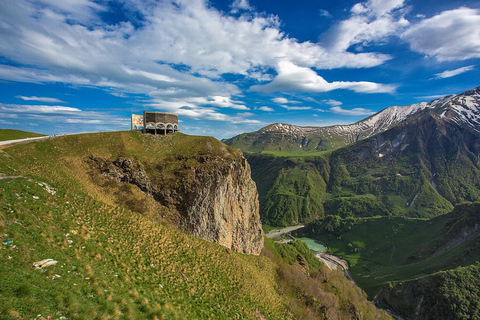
{"x":210,"y":196}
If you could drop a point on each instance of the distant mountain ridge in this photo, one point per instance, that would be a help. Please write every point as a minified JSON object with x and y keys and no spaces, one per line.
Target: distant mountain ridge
{"x":416,"y":161}
{"x":463,"y":109}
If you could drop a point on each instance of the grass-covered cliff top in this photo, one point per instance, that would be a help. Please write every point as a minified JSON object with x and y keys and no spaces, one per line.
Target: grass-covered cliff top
{"x":64,"y":159}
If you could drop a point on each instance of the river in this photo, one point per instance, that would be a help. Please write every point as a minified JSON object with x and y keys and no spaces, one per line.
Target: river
{"x":313,"y":244}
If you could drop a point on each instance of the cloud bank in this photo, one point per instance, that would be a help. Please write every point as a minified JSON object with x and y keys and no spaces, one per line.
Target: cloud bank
{"x":173,"y":51}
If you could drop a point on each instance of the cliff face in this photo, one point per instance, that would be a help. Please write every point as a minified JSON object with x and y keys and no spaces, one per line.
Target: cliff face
{"x":221,"y":205}
{"x":211,"y":197}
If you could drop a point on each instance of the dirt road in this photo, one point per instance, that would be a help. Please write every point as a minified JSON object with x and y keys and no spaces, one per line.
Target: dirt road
{"x":25,"y":140}
{"x":277,"y":233}
{"x":334,"y":262}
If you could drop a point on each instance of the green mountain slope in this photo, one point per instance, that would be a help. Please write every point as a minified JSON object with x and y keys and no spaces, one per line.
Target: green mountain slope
{"x":120,"y":258}
{"x":420,"y":166}
{"x":291,"y":190}
{"x":451,"y":294}
{"x":384,"y":253}
{"x":10,"y":134}
{"x":401,"y":248}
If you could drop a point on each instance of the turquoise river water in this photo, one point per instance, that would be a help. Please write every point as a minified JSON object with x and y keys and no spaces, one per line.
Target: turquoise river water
{"x":314,"y":244}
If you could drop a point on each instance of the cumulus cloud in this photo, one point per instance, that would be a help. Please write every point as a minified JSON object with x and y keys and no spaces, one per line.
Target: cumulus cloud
{"x":224,"y":102}
{"x":238,"y":5}
{"x":59,"y":45}
{"x":452,"y":73}
{"x":351,"y":112}
{"x":41,"y":99}
{"x":452,"y":35}
{"x":294,"y":78}
{"x":282,"y":100}
{"x":371,"y":21}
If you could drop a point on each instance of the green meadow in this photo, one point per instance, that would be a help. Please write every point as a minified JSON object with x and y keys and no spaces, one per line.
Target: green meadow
{"x":10,"y":134}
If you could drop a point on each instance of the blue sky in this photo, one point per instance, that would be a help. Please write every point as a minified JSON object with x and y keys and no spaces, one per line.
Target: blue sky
{"x":227,"y":67}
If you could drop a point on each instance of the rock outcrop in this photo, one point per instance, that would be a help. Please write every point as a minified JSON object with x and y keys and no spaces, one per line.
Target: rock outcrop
{"x":214,"y":196}
{"x":221,"y":205}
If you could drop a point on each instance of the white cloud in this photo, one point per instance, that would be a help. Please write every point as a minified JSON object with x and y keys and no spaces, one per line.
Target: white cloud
{"x":383,"y":7}
{"x":332,"y":102}
{"x":294,"y":78}
{"x":351,"y":112}
{"x":226,"y":102}
{"x":41,"y":99}
{"x":265,"y":108}
{"x":20,"y":108}
{"x":431,"y":97}
{"x":452,"y":73}
{"x":85,"y":121}
{"x":325,"y":13}
{"x":452,"y":35}
{"x":60,"y":118}
{"x":205,"y":40}
{"x":200,"y":108}
{"x":280,"y":100}
{"x":371,"y":21}
{"x":296,"y":108}
{"x":239,"y":5}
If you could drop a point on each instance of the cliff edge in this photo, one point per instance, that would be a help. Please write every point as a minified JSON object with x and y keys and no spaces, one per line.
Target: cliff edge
{"x":206,"y":192}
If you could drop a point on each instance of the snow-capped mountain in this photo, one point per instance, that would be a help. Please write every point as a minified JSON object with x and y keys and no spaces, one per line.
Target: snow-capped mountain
{"x":462,"y":109}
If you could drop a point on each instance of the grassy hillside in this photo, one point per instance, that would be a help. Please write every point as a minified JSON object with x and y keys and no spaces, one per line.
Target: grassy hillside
{"x":10,"y":134}
{"x":291,"y":189}
{"x":451,"y":294}
{"x":117,"y":263}
{"x":382,"y":250}
{"x":70,"y":159}
{"x":281,"y":144}
{"x":326,"y":293}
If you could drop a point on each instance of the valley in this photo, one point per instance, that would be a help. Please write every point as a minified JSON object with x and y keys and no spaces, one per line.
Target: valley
{"x":399,"y":202}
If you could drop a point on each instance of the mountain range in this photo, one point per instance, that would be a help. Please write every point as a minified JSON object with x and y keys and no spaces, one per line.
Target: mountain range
{"x":417,"y":160}
{"x":461,"y":109}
